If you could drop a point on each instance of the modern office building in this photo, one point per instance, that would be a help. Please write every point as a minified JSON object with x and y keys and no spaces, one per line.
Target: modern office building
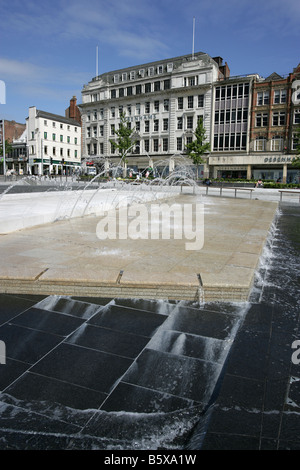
{"x":54,"y":143}
{"x":162,"y":102}
{"x":232,"y":99}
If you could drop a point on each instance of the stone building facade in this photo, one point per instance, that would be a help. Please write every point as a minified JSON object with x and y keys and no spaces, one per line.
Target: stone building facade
{"x":162,"y":102}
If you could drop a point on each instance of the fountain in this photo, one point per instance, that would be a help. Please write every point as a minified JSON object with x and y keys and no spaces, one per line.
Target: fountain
{"x":123,"y":372}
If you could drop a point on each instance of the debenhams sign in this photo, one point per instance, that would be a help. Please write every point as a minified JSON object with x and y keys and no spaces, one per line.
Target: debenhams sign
{"x":279,"y":159}
{"x":145,"y":117}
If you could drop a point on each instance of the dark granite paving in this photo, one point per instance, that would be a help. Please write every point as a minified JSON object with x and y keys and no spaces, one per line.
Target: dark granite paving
{"x":90,"y":363}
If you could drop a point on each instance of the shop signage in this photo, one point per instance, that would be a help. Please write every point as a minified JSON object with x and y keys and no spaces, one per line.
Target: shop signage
{"x":145,"y":117}
{"x":279,"y":159}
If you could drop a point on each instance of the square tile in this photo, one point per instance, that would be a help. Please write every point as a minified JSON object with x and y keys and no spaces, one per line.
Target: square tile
{"x":33,"y":387}
{"x":25,"y":344}
{"x":80,"y":366}
{"x":47,"y":321}
{"x":106,"y":340}
{"x":128,"y":320}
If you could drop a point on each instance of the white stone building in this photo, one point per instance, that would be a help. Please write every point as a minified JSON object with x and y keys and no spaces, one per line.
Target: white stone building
{"x":54,"y":143}
{"x":162,"y":102}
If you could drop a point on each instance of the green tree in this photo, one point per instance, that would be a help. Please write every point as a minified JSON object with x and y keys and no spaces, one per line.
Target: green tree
{"x":8,"y":148}
{"x":124,"y":137}
{"x":296,"y":162}
{"x":198,"y":147}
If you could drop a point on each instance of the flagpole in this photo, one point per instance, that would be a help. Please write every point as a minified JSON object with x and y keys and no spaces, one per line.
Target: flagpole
{"x":193,"y":37}
{"x":96,"y":61}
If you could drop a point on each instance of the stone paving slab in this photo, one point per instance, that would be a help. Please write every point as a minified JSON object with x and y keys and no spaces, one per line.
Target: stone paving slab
{"x":67,"y":258}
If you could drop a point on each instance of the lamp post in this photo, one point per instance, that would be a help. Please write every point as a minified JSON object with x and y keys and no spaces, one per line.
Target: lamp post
{"x":3,"y":134}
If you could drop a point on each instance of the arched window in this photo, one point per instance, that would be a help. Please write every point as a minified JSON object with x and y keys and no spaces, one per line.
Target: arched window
{"x":277,"y":143}
{"x":260,"y":144}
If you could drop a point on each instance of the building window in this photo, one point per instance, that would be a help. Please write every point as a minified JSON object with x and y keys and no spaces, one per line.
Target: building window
{"x":46,"y":150}
{"x":189,"y":140}
{"x":137,"y":126}
{"x":179,"y":123}
{"x":61,"y":152}
{"x":189,"y":122}
{"x":112,"y":129}
{"x":138,"y":89}
{"x":278,"y":118}
{"x":166,"y":105}
{"x":156,"y":125}
{"x":179,"y":143}
{"x":88,"y":132}
{"x":129,"y":91}
{"x":180,"y":102}
{"x":165,"y":124}
{"x":94,"y":133}
{"x":45,"y":135}
{"x":279,"y":96}
{"x":261,"y":120}
{"x":121,"y":92}
{"x":276,"y":143}
{"x":262,"y":98}
{"x":112,"y":148}
{"x":53,"y":136}
{"x":101,"y":113}
{"x":147,"y":107}
{"x":101,"y":148}
{"x":147,"y":87}
{"x":190,"y":81}
{"x":138,"y":109}
{"x":190,"y":102}
{"x":165,"y":145}
{"x":295,"y":141}
{"x":132,"y":75}
{"x":147,"y":126}
{"x":61,"y":138}
{"x":113,"y":112}
{"x":101,"y":131}
{"x":45,"y":123}
{"x":150,"y":71}
{"x":68,"y":139}
{"x":167,"y":84}
{"x":297,"y":116}
{"x":120,"y":110}
{"x":113,"y":94}
{"x":260,"y":144}
{"x":124,"y":77}
{"x":200,"y":101}
{"x":156,"y":106}
{"x":147,"y":145}
{"x":156,"y":86}
{"x":75,"y":153}
{"x":155,"y":145}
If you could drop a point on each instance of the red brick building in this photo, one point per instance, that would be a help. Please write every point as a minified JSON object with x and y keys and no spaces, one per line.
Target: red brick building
{"x":73,"y":112}
{"x":12,"y":130}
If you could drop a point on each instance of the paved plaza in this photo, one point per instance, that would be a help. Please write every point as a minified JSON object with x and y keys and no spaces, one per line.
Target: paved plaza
{"x":66,"y":257}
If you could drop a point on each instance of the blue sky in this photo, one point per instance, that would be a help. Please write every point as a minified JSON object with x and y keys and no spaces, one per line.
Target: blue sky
{"x":48,"y":48}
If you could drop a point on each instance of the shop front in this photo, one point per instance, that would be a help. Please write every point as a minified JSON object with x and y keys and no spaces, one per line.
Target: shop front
{"x":278,"y":168}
